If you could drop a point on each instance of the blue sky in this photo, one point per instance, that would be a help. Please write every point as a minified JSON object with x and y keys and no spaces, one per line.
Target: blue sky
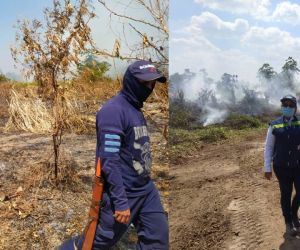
{"x":104,"y":29}
{"x":233,"y":36}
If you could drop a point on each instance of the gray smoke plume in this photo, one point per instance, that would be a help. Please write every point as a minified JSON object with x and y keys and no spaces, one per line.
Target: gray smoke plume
{"x":218,"y":99}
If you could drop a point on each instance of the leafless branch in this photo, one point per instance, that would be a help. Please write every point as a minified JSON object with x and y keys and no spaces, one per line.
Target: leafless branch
{"x":151,"y":40}
{"x":131,"y":18}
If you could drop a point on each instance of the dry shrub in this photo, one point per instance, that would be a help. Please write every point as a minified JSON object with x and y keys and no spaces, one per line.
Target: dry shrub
{"x":96,"y":91}
{"x":157,"y":110}
{"x":42,"y":172}
{"x":73,"y":112}
{"x":93,"y":95}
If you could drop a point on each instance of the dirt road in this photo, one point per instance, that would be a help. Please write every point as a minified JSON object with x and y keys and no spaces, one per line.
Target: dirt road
{"x":221,"y":201}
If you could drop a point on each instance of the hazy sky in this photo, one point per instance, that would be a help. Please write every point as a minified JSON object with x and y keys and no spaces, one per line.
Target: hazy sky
{"x":10,"y":12}
{"x":233,"y":36}
{"x":102,"y":26}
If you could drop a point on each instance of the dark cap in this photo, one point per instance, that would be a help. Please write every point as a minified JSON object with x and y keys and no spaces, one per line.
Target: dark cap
{"x":146,"y":71}
{"x":290,"y":98}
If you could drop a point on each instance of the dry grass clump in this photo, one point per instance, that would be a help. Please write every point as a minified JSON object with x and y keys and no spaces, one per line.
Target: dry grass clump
{"x":5,"y":92}
{"x":4,"y":99}
{"x":28,"y":112}
{"x":96,"y":91}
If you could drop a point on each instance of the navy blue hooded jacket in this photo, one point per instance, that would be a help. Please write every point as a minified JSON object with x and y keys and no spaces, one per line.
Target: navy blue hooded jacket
{"x":287,"y":140}
{"x":123,"y":143}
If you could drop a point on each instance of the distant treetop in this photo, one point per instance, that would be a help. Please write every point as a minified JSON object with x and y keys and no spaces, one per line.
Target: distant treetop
{"x":92,"y":69}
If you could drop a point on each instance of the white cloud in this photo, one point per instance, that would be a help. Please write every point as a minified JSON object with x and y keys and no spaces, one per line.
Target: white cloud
{"x":196,"y":48}
{"x":272,"y":42}
{"x":287,"y":12}
{"x":256,"y":8}
{"x":271,"y":36}
{"x":210,"y":24}
{"x":196,"y":52}
{"x":196,"y":41}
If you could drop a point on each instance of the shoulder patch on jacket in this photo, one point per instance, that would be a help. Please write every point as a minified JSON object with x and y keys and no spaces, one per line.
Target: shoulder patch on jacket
{"x":110,"y":142}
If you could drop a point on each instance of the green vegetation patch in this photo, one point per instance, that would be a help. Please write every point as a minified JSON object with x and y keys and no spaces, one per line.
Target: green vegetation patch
{"x":208,"y":134}
{"x":186,"y":144}
{"x":238,"y":121}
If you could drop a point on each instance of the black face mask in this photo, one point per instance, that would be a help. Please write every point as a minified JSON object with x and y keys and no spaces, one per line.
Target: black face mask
{"x":144,"y":93}
{"x":135,"y":91}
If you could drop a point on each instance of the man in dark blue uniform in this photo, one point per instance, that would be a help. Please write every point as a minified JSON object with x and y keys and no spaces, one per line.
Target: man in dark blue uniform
{"x":123,"y":146}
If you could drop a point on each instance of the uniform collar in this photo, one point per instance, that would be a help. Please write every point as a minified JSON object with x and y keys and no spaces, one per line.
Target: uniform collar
{"x":287,"y":120}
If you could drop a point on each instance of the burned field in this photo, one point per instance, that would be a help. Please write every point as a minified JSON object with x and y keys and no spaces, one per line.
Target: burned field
{"x":38,"y":213}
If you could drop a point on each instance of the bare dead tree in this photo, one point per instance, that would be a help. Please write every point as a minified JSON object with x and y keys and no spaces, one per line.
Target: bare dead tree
{"x":48,"y":50}
{"x":151,"y":30}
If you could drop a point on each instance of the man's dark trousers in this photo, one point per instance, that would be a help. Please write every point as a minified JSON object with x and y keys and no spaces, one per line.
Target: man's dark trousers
{"x":148,"y":217}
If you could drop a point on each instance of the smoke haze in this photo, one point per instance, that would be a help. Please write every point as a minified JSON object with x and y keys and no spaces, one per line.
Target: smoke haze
{"x":218,"y":99}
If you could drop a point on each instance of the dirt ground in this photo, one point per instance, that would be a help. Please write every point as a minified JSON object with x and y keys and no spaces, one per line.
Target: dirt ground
{"x":220,"y":200}
{"x":34,"y":213}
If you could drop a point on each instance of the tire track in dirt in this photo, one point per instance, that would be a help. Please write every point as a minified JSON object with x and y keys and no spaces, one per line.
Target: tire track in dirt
{"x":222,"y":201}
{"x":247,"y":223}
